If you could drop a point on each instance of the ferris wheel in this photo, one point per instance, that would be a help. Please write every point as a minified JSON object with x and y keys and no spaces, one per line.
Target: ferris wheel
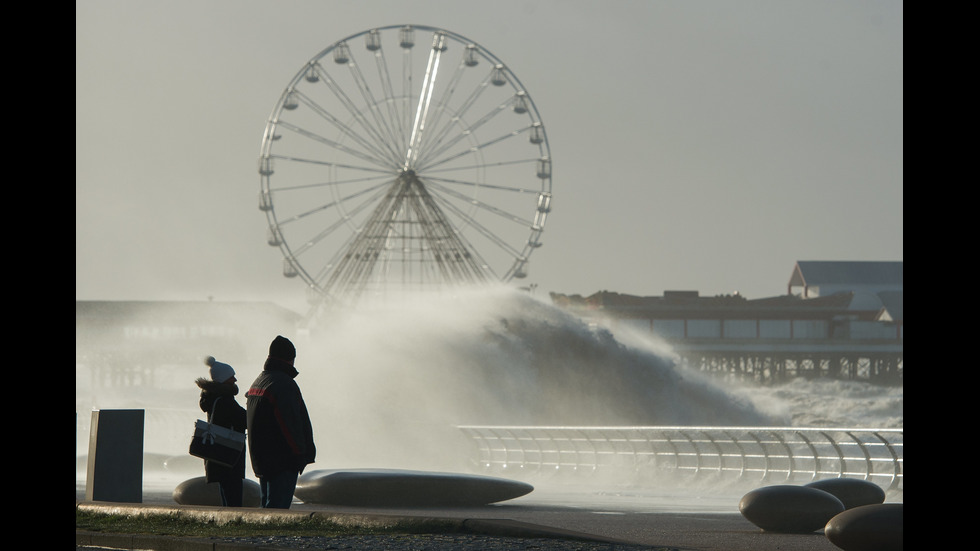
{"x":401,"y":158}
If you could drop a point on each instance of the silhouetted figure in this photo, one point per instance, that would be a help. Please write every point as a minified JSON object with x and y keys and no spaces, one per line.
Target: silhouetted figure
{"x":218,"y":400}
{"x":280,"y":434}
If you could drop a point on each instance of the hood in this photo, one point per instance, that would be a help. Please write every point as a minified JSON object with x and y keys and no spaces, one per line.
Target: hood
{"x":219,"y":389}
{"x":275,"y":364}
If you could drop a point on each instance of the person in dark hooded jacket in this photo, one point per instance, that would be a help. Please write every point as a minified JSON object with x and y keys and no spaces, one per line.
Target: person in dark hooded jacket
{"x":218,"y":401}
{"x":280,"y":434}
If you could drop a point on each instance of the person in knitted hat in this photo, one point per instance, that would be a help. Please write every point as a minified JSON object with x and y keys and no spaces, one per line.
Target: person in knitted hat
{"x":280,"y":434}
{"x":218,"y":401}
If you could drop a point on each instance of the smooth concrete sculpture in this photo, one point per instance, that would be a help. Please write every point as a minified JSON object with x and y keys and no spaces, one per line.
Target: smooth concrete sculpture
{"x":852,"y":492}
{"x":789,"y":509}
{"x":197,"y":491}
{"x":401,"y":488}
{"x":115,"y":456}
{"x":877,"y":527}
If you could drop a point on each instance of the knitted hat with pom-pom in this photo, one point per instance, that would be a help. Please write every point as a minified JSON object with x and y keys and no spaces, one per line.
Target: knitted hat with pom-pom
{"x":220,"y":372}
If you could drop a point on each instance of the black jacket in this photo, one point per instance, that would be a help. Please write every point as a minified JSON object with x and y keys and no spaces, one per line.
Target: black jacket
{"x":218,"y":401}
{"x":280,"y":434}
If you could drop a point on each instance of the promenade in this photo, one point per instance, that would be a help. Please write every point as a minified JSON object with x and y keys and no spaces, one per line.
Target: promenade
{"x":566,"y":517}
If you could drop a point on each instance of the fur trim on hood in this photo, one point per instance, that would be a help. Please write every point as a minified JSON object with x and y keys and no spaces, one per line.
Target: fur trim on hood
{"x":211,"y":387}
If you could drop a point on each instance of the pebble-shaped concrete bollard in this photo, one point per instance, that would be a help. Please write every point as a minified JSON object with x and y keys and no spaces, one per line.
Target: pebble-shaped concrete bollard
{"x":852,"y":492}
{"x":405,"y":488}
{"x":197,"y":491}
{"x":877,"y":527}
{"x":789,"y":509}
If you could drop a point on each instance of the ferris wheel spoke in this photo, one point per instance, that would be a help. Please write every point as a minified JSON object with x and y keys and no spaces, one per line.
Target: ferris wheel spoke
{"x":438,"y":129}
{"x":439,"y":162}
{"x":481,"y":185}
{"x":328,"y":184}
{"x":330,"y":164}
{"x":476,"y":225}
{"x":480,"y":204}
{"x":310,"y":243}
{"x":334,"y":144}
{"x":425,"y":100}
{"x":384,"y":77}
{"x":468,"y":131}
{"x":435,"y":155}
{"x":332,"y":204}
{"x":379,"y":129}
{"x":408,"y":76}
{"x":492,"y":77}
{"x":349,"y":105}
{"x":463,"y":168}
{"x":369,"y":145}
{"x":382,"y":128}
{"x":467,"y":104}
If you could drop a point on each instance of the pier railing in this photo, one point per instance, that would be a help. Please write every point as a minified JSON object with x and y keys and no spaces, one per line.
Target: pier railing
{"x":763,"y":455}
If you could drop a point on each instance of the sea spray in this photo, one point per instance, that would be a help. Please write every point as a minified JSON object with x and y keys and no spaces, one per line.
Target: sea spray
{"x":831,"y":402}
{"x":797,"y":402}
{"x":386,"y":383}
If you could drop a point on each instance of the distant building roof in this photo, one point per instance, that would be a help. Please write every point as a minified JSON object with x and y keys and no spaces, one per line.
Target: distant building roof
{"x":820,"y":272}
{"x":689,"y":304}
{"x":892,"y":305}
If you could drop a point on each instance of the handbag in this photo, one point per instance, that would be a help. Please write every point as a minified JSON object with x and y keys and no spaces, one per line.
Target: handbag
{"x":216,"y":443}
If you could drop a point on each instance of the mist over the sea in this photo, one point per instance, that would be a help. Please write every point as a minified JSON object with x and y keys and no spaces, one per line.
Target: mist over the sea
{"x":407,"y":371}
{"x":386,"y":384}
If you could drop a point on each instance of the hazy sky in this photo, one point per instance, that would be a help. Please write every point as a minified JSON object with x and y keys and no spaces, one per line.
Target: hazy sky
{"x":697,"y":145}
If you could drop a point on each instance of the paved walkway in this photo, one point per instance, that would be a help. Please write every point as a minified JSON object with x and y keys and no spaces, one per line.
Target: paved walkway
{"x":599,"y":523}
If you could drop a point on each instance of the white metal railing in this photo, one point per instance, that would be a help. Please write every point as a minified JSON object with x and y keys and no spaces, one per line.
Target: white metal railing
{"x":756,"y":454}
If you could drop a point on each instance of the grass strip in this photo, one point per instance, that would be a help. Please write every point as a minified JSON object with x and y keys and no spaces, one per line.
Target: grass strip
{"x":171,"y":525}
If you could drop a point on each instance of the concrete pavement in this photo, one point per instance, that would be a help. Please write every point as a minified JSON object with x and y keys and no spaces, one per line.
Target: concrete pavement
{"x":594,"y":522}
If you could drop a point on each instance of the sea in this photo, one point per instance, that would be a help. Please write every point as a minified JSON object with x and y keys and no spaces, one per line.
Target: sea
{"x":388,"y":384}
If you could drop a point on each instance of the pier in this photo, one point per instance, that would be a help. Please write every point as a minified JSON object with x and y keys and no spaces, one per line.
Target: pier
{"x":838,"y":319}
{"x":764,"y":361}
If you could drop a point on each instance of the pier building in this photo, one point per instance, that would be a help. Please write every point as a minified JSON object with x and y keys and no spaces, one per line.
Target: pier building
{"x":838,"y":319}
